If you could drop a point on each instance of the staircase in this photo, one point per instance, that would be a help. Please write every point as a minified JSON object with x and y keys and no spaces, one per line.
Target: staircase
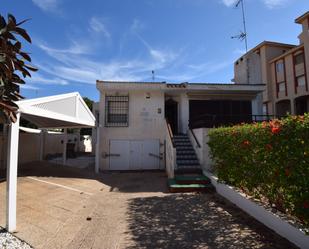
{"x":188,"y":174}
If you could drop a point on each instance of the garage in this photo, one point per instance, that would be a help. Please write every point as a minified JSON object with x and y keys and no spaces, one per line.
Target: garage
{"x":134,"y":154}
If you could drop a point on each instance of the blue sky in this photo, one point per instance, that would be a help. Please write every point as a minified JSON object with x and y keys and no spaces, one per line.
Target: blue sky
{"x":77,"y":42}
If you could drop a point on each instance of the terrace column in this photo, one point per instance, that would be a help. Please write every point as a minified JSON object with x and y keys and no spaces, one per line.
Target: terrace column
{"x":257,"y":105}
{"x":11,"y":182}
{"x":65,"y":141}
{"x":183,"y":111}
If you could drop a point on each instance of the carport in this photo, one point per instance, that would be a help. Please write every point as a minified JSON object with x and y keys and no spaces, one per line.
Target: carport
{"x":59,"y":111}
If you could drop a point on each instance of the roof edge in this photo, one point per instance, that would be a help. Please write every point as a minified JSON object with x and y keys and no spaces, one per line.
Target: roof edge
{"x":264,"y":43}
{"x":302,"y":17}
{"x":287,"y":53}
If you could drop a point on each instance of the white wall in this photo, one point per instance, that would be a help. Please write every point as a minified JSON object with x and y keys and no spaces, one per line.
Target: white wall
{"x":85,"y":143}
{"x":144,"y":122}
{"x":203,"y":153}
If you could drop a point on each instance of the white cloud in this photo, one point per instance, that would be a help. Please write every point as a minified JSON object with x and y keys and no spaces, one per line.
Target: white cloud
{"x":268,"y":3}
{"x":29,"y":87}
{"x":229,"y":3}
{"x":74,"y":48}
{"x":137,"y":25}
{"x":275,"y":3}
{"x":47,"y":5}
{"x":40,"y":79}
{"x":96,"y":24}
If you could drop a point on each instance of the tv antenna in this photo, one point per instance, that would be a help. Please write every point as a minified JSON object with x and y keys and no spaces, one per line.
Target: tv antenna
{"x":242,"y":36}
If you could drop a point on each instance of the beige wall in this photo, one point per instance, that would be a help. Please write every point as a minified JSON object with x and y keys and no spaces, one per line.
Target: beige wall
{"x":29,"y":146}
{"x":145,"y":122}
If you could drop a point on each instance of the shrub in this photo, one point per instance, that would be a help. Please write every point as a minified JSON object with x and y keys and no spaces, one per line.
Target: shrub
{"x":268,"y":160}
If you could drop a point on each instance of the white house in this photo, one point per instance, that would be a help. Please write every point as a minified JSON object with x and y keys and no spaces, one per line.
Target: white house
{"x":158,"y":125}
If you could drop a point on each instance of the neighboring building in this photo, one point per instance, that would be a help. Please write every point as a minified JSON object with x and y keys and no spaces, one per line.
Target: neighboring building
{"x":133,"y":131}
{"x":283,"y":68}
{"x":290,"y":74}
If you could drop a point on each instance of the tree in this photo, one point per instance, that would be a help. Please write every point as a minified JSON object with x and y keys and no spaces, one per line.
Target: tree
{"x":89,"y":103}
{"x":14,"y":66}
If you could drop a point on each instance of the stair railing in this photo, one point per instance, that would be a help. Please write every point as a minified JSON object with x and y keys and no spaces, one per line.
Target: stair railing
{"x":170,"y":152}
{"x":195,"y":138}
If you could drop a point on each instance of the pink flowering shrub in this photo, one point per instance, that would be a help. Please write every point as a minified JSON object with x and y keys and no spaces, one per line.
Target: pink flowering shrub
{"x":268,"y":160}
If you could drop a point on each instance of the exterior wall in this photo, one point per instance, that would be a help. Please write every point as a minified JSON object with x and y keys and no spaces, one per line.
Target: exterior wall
{"x":29,"y":147}
{"x":145,"y":122}
{"x":247,"y":70}
{"x":255,"y":68}
{"x":30,"y":143}
{"x":85,"y":143}
{"x":289,"y":76}
{"x":203,"y":152}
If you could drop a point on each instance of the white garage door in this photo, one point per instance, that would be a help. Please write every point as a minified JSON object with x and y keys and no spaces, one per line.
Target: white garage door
{"x":134,"y":154}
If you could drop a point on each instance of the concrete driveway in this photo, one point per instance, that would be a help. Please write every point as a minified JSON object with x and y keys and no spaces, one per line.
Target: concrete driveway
{"x":60,"y":207}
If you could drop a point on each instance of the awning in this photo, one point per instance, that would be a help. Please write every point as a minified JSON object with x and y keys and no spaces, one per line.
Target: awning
{"x":59,"y":111}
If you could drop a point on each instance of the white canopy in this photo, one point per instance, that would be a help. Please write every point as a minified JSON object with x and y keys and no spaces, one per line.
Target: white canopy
{"x":59,"y":111}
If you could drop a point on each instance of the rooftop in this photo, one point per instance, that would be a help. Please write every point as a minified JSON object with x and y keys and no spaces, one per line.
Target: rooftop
{"x":179,"y":85}
{"x":300,"y":19}
{"x":268,"y":43}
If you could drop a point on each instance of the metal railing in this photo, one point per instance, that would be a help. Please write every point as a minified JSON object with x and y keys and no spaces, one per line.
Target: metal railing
{"x":211,"y":121}
{"x":195,"y":138}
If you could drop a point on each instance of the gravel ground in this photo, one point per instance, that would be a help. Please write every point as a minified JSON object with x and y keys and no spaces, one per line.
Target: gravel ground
{"x":9,"y":241}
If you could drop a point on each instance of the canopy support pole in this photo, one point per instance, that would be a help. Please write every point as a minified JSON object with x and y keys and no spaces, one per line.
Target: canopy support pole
{"x":11,"y":183}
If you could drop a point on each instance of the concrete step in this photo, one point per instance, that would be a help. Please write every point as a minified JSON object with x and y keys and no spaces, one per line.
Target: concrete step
{"x":184,"y":147}
{"x":185,"y":152}
{"x":192,"y":179}
{"x":187,"y":162}
{"x":191,"y":156}
{"x":181,"y":143}
{"x":182,"y":188}
{"x":181,"y":170}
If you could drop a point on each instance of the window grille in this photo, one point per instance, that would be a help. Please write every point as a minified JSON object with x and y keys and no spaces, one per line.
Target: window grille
{"x":116,"y":111}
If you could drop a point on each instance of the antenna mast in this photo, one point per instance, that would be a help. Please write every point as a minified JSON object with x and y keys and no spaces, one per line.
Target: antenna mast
{"x":243,"y":34}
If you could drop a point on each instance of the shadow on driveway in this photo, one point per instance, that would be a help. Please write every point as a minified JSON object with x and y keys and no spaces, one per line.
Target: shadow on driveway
{"x":196,"y":221}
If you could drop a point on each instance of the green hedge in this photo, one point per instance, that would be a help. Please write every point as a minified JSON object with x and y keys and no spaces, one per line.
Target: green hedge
{"x":268,"y":160}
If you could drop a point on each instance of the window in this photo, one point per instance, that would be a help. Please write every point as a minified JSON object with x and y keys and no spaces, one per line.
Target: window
{"x":301,"y":80}
{"x":279,"y":67}
{"x":299,"y":58}
{"x":281,"y":86}
{"x":116,"y":111}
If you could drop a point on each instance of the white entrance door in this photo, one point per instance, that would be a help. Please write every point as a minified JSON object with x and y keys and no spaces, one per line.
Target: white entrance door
{"x":119,"y":154}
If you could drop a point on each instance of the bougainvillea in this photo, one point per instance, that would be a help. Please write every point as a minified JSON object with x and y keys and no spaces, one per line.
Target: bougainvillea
{"x":268,"y":160}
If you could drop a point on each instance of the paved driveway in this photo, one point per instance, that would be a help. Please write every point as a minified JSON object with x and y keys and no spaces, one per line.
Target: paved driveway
{"x":69,"y":208}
